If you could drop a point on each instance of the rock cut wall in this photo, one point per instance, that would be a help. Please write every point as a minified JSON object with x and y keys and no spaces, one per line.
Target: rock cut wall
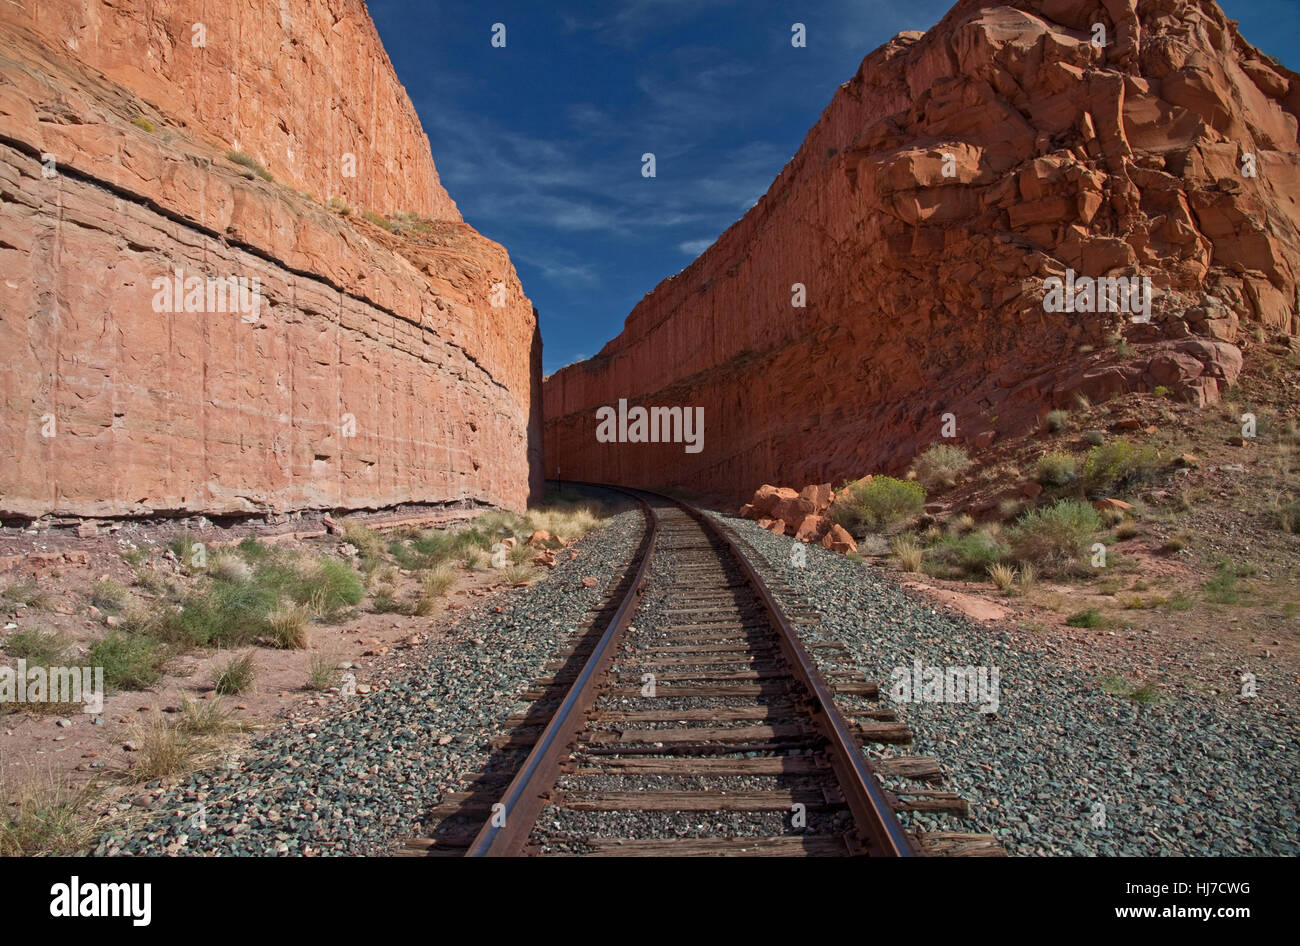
{"x":374,"y":370}
{"x":945,"y":183}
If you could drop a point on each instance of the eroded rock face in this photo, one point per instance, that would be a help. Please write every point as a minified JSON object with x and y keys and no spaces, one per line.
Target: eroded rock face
{"x":954,"y":175}
{"x":374,"y":368}
{"x":298,"y":85}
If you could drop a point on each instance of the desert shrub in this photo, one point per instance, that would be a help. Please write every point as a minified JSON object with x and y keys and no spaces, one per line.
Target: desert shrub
{"x":163,"y":751}
{"x":252,"y":550}
{"x":1003,"y":576}
{"x":1117,"y":464}
{"x":323,"y":673}
{"x":382,"y":222}
{"x":1095,"y":437}
{"x":40,"y":820}
{"x":250,"y":162}
{"x":566,"y":521}
{"x":141,"y":122}
{"x":1054,"y":537}
{"x":1056,"y":420}
{"x":1056,"y":469}
{"x":229,"y":567}
{"x":1289,"y":516}
{"x":130,"y":661}
{"x":220,"y":613}
{"x":235,"y":676}
{"x":940,"y":465}
{"x":907,"y":552}
{"x":438,"y":581}
{"x":288,"y":627}
{"x":1090,"y":617}
{"x":369,"y":543}
{"x":1028,"y":576}
{"x":108,"y":595}
{"x":28,"y":593}
{"x":38,"y":648}
{"x":1223,"y":588}
{"x":965,"y":555}
{"x":878,"y":504}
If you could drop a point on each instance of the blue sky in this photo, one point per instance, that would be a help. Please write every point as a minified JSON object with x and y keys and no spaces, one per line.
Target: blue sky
{"x":540,"y":142}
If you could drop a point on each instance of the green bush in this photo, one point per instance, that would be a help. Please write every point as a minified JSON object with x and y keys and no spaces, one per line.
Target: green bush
{"x":877,"y":504}
{"x":940,"y":465}
{"x":130,"y":661}
{"x":39,"y":648}
{"x":1055,"y":537}
{"x":1116,"y":464}
{"x":1056,"y":469}
{"x":965,"y":555}
{"x":1056,"y":420}
{"x":219,"y":614}
{"x":1089,"y":618}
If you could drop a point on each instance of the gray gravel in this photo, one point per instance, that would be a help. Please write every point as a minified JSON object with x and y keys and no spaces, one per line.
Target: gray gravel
{"x":1186,"y":775}
{"x":363,"y":775}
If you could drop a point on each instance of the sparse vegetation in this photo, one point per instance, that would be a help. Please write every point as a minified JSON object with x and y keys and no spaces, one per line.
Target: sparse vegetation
{"x":130,"y":661}
{"x":1055,"y":536}
{"x":236,"y":675}
{"x":250,"y":162}
{"x":1055,"y":421}
{"x":108,"y":595}
{"x":324,"y":673}
{"x":44,"y":820}
{"x":1028,"y":576}
{"x":877,"y":504}
{"x":968,"y":555}
{"x":1003,"y":576}
{"x":288,"y":627}
{"x":1090,"y":617}
{"x":163,"y":751}
{"x":907,"y":553}
{"x":1289,"y":516}
{"x":940,"y":466}
{"x":38,"y":648}
{"x":1056,"y":469}
{"x":1224,"y":587}
{"x":1117,"y":464}
{"x":28,"y":593}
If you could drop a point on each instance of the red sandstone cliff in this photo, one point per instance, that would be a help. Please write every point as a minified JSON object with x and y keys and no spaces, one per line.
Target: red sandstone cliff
{"x":925,"y":291}
{"x":375,"y":370}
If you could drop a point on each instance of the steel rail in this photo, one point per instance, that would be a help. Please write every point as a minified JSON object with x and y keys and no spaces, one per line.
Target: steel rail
{"x":872,"y":813}
{"x":880,"y":832}
{"x":506,"y":833}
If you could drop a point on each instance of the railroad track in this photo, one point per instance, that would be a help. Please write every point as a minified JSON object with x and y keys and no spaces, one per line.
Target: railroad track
{"x":689,"y":718}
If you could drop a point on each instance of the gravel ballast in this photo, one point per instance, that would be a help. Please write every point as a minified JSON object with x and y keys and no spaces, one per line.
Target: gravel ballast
{"x":1062,"y":767}
{"x":362,"y":777}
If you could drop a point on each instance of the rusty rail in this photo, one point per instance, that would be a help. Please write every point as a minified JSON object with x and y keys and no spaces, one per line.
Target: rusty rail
{"x":526,"y":795}
{"x":507,"y":833}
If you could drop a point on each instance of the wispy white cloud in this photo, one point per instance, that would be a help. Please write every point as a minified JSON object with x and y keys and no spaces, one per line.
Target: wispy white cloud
{"x":694,"y":247}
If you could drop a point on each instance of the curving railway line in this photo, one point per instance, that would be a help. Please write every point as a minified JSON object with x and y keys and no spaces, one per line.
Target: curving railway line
{"x":690,"y":718}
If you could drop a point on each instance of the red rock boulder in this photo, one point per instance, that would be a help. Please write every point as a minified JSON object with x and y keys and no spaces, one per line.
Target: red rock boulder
{"x":838,"y":540}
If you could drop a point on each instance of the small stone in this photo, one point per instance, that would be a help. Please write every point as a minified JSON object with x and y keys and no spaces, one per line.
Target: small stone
{"x":589,"y":582}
